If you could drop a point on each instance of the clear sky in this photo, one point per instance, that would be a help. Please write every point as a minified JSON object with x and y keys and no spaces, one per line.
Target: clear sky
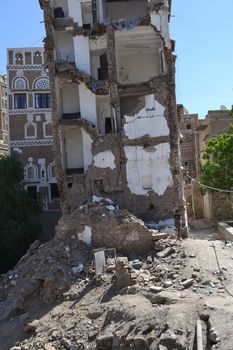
{"x":203,"y":30}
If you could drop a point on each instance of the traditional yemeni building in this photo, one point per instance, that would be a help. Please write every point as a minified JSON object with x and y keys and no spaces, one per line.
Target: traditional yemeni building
{"x":29,"y":116}
{"x":189,"y":124}
{"x":3,"y":115}
{"x":115,"y":126}
{"x":215,"y":123}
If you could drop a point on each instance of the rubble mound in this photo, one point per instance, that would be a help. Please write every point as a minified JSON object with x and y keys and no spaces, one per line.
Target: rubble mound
{"x":102,"y":223}
{"x":53,"y":300}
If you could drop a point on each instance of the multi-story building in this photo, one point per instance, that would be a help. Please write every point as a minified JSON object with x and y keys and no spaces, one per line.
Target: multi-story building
{"x":29,"y":117}
{"x":189,"y":124}
{"x":3,"y":115}
{"x":215,"y":123}
{"x":115,"y":127}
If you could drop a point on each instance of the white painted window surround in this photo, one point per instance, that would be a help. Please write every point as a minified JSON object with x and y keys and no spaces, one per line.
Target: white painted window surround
{"x":30,"y":130}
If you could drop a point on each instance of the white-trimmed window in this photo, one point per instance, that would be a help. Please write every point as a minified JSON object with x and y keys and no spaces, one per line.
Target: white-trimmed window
{"x":31,"y":172}
{"x":30,"y":130}
{"x":47,"y":129}
{"x":41,"y":84}
{"x":19,"y":58}
{"x":20,"y":84}
{"x":51,"y":172}
{"x":37,"y":57}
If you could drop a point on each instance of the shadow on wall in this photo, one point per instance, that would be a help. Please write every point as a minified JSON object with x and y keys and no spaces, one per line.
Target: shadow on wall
{"x":48,"y":221}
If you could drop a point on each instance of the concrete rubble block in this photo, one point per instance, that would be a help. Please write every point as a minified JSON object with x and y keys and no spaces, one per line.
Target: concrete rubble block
{"x":123,"y":278}
{"x":166,"y":252}
{"x":187,"y":283}
{"x":49,"y":346}
{"x":104,"y":341}
{"x":156,"y":289}
{"x":157,"y":236}
{"x":32,"y":326}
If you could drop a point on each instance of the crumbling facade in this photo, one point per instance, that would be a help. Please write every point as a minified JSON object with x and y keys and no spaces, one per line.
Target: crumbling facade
{"x":3,"y":115}
{"x":115,"y":126}
{"x":29,"y":115}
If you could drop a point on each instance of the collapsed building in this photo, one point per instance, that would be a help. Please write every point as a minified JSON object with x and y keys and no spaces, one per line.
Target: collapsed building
{"x":115,"y":128}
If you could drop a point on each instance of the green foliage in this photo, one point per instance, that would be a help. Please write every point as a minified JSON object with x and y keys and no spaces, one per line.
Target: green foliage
{"x":217,"y":167}
{"x":19,"y":226}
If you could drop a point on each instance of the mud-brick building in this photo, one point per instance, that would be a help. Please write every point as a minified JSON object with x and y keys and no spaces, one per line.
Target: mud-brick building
{"x":189,"y":141}
{"x":29,"y":116}
{"x":3,"y":115}
{"x":115,"y":126}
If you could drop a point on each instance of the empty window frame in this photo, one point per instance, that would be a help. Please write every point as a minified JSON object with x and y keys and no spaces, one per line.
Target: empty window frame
{"x":32,"y":191}
{"x":20,"y":101}
{"x":54,"y":191}
{"x":42,"y":100}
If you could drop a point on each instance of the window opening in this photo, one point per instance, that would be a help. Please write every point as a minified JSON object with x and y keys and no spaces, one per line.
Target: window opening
{"x":20,"y":101}
{"x":42,"y":100}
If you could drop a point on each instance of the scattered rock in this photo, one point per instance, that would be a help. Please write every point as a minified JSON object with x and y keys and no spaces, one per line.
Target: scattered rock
{"x":32,"y":326}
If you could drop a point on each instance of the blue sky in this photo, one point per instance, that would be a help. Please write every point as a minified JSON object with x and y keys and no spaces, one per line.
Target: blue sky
{"x":203,"y":30}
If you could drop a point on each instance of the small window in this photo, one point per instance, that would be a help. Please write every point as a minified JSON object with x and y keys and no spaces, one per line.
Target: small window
{"x":32,"y":191}
{"x":30,"y":130}
{"x":42,"y":100}
{"x":99,"y":185}
{"x":37,"y":57}
{"x":19,"y":58}
{"x":54,"y":191}
{"x":188,"y":126}
{"x":20,"y":101}
{"x":108,"y":125}
{"x":186,"y":164}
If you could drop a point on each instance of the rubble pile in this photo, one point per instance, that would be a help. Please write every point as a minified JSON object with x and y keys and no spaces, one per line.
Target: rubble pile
{"x":117,"y":228}
{"x":53,"y":299}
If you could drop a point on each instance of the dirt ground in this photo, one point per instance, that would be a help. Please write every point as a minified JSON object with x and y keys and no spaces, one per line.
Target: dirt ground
{"x":168,"y":290}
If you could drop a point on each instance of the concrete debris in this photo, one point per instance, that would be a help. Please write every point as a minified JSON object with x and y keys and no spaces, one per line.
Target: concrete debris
{"x":117,"y":228}
{"x":139,"y":303}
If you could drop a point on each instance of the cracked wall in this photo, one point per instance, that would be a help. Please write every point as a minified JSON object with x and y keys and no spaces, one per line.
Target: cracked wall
{"x":125,"y":76}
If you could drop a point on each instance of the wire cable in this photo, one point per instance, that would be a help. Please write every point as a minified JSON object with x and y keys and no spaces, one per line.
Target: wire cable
{"x":210,"y":187}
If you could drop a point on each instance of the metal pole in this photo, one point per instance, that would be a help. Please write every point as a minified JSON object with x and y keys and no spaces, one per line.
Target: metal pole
{"x":199,"y":335}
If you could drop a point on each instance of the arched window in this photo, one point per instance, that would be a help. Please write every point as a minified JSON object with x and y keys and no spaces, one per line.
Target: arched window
{"x":41,"y":84}
{"x":47,"y":129}
{"x":51,"y":172}
{"x":31,"y":172}
{"x":20,"y":84}
{"x":37,"y":57}
{"x":19,"y":58}
{"x":30,"y":130}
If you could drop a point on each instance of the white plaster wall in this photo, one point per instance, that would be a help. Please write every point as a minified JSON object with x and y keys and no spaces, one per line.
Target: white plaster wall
{"x":74,"y":148}
{"x":75,"y":11}
{"x":105,"y":159}
{"x":144,"y":163}
{"x":70,"y":98}
{"x":87,"y":104}
{"x":87,"y":154}
{"x":82,"y":53}
{"x":133,"y":72}
{"x":86,"y":235}
{"x":64,"y":46}
{"x":148,"y":121}
{"x":160,"y":21}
